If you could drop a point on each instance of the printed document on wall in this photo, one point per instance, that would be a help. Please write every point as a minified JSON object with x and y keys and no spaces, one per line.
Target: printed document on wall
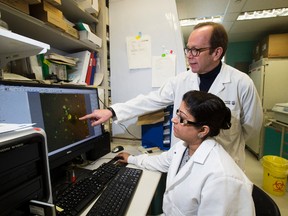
{"x":139,"y":52}
{"x":162,"y":69}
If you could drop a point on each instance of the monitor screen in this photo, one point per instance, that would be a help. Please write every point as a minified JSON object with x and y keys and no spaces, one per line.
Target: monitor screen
{"x":56,"y":109}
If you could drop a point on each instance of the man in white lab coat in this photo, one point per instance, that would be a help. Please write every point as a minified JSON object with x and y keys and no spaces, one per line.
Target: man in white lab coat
{"x":206,"y":47}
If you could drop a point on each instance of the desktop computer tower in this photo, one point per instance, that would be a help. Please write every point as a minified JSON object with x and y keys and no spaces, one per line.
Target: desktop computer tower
{"x":24,"y":170}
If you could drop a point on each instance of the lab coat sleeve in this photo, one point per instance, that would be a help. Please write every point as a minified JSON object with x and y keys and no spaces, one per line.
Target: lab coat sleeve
{"x":156,"y":162}
{"x":218,"y":198}
{"x":252,"y":112}
{"x":143,"y":104}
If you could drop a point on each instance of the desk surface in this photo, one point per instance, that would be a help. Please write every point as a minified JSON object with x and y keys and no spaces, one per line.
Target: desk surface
{"x":145,"y":190}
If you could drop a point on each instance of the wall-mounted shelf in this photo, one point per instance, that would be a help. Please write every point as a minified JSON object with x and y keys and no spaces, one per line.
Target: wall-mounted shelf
{"x":73,"y":12}
{"x":31,"y":27}
{"x":14,"y":46}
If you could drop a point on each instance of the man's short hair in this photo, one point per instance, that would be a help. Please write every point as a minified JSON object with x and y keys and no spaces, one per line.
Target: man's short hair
{"x":219,"y":37}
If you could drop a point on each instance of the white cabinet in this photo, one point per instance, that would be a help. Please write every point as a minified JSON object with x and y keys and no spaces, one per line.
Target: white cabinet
{"x":270,"y":78}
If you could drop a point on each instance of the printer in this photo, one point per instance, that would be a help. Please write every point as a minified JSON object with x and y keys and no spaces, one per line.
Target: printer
{"x":281,"y":112}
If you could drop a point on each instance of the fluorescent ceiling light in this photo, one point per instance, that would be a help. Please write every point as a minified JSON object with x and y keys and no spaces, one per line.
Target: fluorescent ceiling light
{"x":195,"y":21}
{"x":263,"y":14}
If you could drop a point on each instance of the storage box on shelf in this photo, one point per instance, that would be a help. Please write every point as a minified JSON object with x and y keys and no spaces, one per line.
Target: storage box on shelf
{"x":32,"y":1}
{"x":54,"y":2}
{"x":48,"y":14}
{"x":271,"y":46}
{"x":275,"y":45}
{"x":22,"y":6}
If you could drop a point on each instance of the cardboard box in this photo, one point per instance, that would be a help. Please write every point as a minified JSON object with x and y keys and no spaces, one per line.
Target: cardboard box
{"x":72,"y":31}
{"x":32,"y":1}
{"x":90,"y":6}
{"x":45,"y":6}
{"x":90,"y":38}
{"x":50,"y":18}
{"x":17,"y":4}
{"x":55,"y":2}
{"x":151,"y":118}
{"x":275,"y":45}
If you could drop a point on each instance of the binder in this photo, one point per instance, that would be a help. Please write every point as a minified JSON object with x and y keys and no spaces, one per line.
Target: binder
{"x":78,"y":73}
{"x":89,"y":70}
{"x":94,"y":68}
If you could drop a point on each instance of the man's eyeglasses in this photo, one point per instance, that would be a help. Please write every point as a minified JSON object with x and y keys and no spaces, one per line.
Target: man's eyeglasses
{"x":194,"y":51}
{"x":185,"y":121}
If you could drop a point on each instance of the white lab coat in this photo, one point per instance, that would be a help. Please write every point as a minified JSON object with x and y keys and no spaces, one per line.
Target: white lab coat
{"x":210,"y":183}
{"x":235,"y":88}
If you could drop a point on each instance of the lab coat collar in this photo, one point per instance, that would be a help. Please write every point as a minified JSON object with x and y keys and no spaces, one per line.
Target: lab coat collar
{"x":219,"y":83}
{"x":199,"y":157}
{"x":203,"y":151}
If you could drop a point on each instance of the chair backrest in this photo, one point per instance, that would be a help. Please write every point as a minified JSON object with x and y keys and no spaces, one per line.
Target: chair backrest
{"x":264,"y":204}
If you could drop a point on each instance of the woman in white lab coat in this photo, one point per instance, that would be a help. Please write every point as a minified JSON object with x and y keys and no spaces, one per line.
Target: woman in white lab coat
{"x":202,"y":177}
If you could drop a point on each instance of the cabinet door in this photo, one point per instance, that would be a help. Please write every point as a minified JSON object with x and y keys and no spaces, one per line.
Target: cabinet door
{"x":272,"y":141}
{"x":257,"y":75}
{"x":285,"y":145}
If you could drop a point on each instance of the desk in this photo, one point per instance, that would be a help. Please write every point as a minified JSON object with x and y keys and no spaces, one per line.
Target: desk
{"x":145,"y":190}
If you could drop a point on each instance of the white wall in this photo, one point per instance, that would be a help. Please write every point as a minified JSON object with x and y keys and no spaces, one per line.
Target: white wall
{"x":159,"y":20}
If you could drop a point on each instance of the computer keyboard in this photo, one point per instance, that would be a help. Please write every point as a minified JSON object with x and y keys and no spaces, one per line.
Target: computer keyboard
{"x":79,"y":195}
{"x":115,"y":199}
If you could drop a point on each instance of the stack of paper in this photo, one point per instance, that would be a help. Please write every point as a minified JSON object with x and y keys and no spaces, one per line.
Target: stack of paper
{"x":60,"y":59}
{"x":77,"y":74}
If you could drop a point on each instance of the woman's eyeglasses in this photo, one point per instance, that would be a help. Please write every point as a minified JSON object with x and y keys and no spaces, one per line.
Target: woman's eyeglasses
{"x":185,"y":121}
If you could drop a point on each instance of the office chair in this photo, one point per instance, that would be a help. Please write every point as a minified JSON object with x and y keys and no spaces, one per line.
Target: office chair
{"x":264,"y":204}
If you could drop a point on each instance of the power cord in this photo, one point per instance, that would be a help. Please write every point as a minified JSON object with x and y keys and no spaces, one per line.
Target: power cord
{"x":124,"y":128}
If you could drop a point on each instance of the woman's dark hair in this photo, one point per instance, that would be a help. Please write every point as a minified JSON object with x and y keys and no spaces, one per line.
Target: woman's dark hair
{"x":208,"y":109}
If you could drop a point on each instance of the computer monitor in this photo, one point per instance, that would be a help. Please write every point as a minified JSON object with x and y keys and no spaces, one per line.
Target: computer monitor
{"x":56,"y":109}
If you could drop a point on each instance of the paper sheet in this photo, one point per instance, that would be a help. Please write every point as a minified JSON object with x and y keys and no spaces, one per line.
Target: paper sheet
{"x":162,"y":69}
{"x":139,"y":52}
{"x":13,"y":127}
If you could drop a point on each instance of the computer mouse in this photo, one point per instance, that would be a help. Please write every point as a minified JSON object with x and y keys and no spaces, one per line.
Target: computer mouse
{"x":117,"y":149}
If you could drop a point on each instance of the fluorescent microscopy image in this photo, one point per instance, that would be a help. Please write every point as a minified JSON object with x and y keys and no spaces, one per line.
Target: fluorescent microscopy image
{"x":64,"y":111}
